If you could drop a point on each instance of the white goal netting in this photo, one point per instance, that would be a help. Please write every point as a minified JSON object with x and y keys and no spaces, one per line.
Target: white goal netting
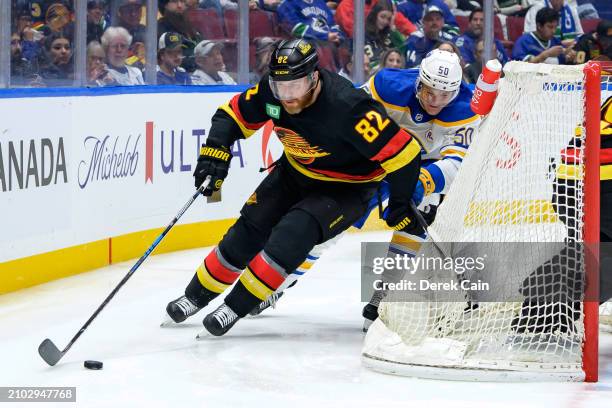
{"x":518,"y":197}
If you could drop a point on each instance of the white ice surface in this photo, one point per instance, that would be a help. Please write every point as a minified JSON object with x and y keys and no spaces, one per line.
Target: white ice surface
{"x":306,"y":353}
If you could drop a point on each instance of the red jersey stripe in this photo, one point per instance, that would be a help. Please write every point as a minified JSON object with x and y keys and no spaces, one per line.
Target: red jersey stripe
{"x":265,"y":272}
{"x":216,"y":269}
{"x":234,"y":105}
{"x":394,"y":146}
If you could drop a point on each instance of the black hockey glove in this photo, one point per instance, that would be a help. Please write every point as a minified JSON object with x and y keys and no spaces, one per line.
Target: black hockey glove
{"x":402,"y":218}
{"x":213,"y":162}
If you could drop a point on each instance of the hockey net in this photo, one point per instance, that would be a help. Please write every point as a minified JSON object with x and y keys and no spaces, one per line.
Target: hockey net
{"x":513,"y":187}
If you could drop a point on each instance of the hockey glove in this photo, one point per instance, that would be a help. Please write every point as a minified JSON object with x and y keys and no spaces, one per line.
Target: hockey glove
{"x":402,"y":219}
{"x":424,"y":187}
{"x":213,"y":162}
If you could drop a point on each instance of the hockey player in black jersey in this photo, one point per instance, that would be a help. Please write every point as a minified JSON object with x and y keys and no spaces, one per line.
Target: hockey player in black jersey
{"x":338,"y":145}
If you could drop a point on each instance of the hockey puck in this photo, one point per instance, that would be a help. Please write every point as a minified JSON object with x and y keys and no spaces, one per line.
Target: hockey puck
{"x":93,"y":364}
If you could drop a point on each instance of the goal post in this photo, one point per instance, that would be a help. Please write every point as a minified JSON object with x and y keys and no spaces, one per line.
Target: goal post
{"x":592,"y":103}
{"x":529,"y":186}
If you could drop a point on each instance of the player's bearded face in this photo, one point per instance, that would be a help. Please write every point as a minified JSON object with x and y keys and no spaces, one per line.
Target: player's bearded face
{"x":295,"y":95}
{"x":433,"y":100}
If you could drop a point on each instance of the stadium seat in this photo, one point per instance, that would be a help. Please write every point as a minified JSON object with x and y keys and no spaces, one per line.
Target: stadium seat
{"x":498,"y":30}
{"x":462,"y":22}
{"x":260,"y":24}
{"x":230,"y":56}
{"x":326,"y":58}
{"x":515,"y":27}
{"x":207,"y":22}
{"x":589,"y":25}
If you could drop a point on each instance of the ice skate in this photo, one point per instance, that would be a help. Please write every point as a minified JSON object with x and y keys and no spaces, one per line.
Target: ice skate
{"x":179,"y":310}
{"x":270,"y":301}
{"x":220,"y":321}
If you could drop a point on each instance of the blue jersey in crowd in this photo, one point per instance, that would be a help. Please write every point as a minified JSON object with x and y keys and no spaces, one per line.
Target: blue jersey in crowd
{"x":467,"y":45}
{"x":180,"y":78}
{"x":414,"y":10}
{"x":529,"y":45}
{"x":418,"y":46}
{"x":307,"y":19}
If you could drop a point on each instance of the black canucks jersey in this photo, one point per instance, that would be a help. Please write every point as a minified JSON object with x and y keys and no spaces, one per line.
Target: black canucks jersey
{"x":344,"y":136}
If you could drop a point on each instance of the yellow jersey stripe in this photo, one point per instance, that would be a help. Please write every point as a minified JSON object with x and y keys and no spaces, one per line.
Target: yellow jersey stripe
{"x":210,"y":283}
{"x":254,"y":285}
{"x":406,"y":242}
{"x":322,"y":177}
{"x":227,"y":109}
{"x":408,"y":153}
{"x":456,"y":123}
{"x":448,"y":152}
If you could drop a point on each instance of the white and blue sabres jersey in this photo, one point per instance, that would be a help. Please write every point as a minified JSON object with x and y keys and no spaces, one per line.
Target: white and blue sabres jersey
{"x":444,"y":138}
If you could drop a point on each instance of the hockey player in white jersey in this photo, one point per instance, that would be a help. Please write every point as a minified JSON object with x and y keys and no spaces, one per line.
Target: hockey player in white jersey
{"x":434,"y":105}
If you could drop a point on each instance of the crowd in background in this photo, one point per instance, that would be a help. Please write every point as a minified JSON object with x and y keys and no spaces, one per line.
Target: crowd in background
{"x":197,"y":38}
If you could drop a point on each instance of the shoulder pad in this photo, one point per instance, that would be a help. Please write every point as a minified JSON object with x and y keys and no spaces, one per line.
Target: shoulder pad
{"x":394,"y":86}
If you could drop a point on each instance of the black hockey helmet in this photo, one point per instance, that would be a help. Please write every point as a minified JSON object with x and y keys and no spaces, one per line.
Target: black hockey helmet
{"x":293,"y":59}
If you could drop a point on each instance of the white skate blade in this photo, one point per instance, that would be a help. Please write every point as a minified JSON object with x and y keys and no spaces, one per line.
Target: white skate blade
{"x":168,"y":322}
{"x":203,"y":335}
{"x":366,"y":324}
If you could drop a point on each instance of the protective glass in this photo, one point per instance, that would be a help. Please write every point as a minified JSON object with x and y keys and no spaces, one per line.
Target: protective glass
{"x":294,"y":89}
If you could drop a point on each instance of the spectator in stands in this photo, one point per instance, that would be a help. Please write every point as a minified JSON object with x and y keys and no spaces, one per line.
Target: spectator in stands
{"x":421,"y":42}
{"x":129,"y":15}
{"x":30,"y":38}
{"x":467,"y":42}
{"x":380,"y":34}
{"x":586,"y":10}
{"x":57,"y":19}
{"x":116,"y":42}
{"x":569,"y":27}
{"x":269,"y":5}
{"x":415,"y":10}
{"x":465,"y":7}
{"x":175,"y":20}
{"x":345,"y":17}
{"x":310,"y":19}
{"x":542,"y":45}
{"x":263,"y":51}
{"x":472,"y":71}
{"x":192,"y":4}
{"x":22,"y":69}
{"x":596,"y":45}
{"x":95,"y":20}
{"x":393,"y":58}
{"x":210,"y":64}
{"x":513,"y":7}
{"x":169,"y":56}
{"x":57,"y":68}
{"x":347,"y":70}
{"x":97,"y":72}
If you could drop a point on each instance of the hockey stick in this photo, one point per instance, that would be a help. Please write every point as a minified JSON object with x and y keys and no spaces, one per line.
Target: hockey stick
{"x":436,"y":241}
{"x":49,"y":351}
{"x":421,"y":220}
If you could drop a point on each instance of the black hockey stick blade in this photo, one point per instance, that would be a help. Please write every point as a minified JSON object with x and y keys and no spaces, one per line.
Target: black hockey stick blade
{"x":49,"y":352}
